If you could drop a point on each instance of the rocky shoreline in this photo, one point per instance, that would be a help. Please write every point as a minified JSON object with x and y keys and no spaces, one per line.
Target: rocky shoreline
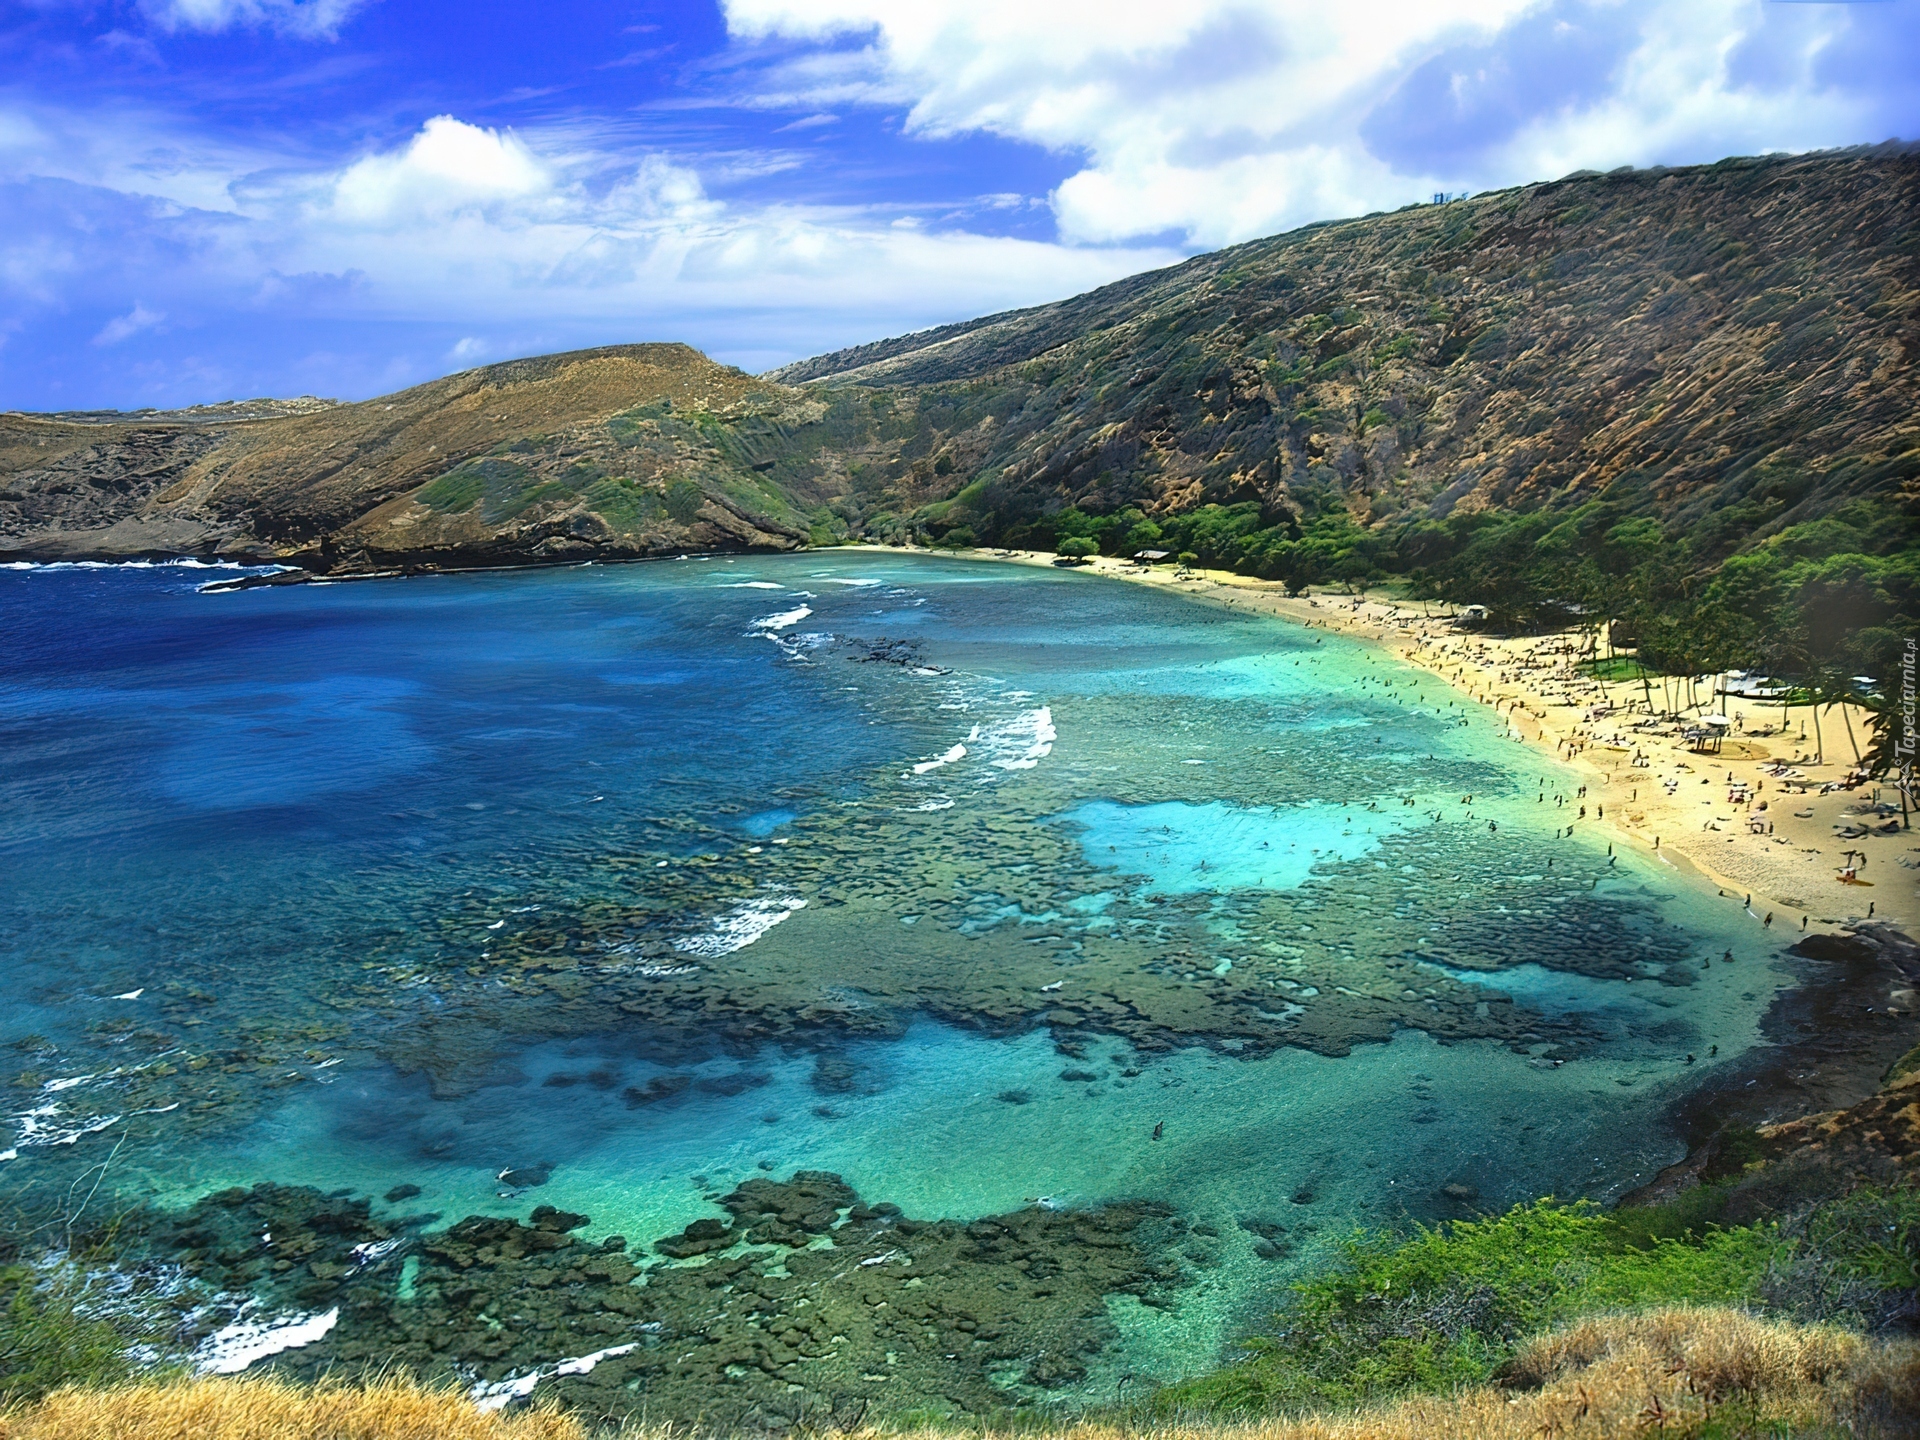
{"x":1837,"y":1040}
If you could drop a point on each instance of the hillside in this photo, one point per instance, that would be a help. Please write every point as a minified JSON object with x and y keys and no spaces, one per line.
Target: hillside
{"x":608,"y":452}
{"x":1736,"y":337}
{"x":1727,"y":351}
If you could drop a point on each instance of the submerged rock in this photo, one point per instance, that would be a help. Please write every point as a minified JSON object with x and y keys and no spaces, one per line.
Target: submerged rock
{"x":855,"y":1306}
{"x":697,"y":1239}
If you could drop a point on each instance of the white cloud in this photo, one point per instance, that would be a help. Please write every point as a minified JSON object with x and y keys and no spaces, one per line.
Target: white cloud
{"x":1226,"y":119}
{"x":123,"y":327}
{"x":314,"y":19}
{"x":448,"y":166}
{"x":483,"y":243}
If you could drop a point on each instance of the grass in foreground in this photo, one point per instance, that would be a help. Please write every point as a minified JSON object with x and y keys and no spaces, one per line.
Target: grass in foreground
{"x":1687,"y":1374}
{"x":389,"y":1408}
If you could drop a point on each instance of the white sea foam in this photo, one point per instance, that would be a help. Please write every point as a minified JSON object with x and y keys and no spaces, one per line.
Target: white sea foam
{"x":767,"y":624}
{"x":43,"y":1126}
{"x":740,"y":926}
{"x":1022,"y":742}
{"x":229,"y":1351}
{"x":831,"y":580}
{"x":373,"y":1251}
{"x":502,"y":1393}
{"x":958,"y":752}
{"x":750,"y":585}
{"x":52,"y":565}
{"x":497,"y":1396}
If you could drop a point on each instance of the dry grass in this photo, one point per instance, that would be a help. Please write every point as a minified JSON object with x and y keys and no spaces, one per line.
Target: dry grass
{"x":1670,"y":1373}
{"x":270,"y":1409}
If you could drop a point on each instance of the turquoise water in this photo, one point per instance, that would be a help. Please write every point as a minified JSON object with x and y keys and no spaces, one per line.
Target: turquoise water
{"x":1221,"y":846}
{"x":955,"y":879}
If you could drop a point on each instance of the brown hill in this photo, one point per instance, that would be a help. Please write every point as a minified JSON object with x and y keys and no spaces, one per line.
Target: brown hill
{"x":550,"y":458}
{"x":1678,"y":340}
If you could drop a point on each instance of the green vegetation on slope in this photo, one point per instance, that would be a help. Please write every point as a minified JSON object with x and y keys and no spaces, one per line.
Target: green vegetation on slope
{"x":1679,"y":400}
{"x":1448,"y":1307}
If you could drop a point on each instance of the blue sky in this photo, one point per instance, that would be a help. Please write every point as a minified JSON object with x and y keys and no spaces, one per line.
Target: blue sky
{"x":203,"y":199}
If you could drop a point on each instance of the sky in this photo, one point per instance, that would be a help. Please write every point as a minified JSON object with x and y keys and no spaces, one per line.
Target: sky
{"x":212,"y":199}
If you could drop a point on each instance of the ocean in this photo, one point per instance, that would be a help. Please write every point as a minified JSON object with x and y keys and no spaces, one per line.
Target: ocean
{"x":994,"y":891}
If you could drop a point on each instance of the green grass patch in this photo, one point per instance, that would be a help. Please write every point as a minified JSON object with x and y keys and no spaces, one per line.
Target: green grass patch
{"x":1617,"y":667}
{"x":456,"y":491}
{"x":971,"y":494}
{"x":624,"y":503}
{"x":502,"y":488}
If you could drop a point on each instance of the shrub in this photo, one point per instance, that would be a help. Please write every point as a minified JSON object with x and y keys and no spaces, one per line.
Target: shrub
{"x":55,"y":1331}
{"x":1444,"y":1307}
{"x":1078,"y":548}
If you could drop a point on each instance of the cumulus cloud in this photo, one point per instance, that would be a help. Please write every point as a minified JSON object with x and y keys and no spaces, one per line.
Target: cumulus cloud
{"x":1225,"y":119}
{"x":460,"y":243}
{"x":448,"y":166}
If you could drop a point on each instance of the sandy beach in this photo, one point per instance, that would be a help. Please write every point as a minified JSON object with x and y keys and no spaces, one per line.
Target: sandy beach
{"x":1751,"y":819}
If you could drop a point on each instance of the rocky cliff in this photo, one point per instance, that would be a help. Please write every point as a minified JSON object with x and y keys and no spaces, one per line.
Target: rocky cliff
{"x":1727,"y":348}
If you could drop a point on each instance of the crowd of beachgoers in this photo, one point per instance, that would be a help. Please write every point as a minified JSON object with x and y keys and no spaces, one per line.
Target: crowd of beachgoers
{"x":1767,"y":800}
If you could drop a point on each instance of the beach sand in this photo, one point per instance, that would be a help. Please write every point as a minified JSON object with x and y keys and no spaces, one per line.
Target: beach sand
{"x":1646,"y":788}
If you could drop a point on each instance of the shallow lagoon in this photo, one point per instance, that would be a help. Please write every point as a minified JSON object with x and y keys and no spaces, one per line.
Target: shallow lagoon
{"x":365,"y":885}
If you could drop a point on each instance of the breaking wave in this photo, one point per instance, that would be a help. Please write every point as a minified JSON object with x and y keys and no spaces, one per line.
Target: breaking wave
{"x":770,"y":624}
{"x":739,"y":927}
